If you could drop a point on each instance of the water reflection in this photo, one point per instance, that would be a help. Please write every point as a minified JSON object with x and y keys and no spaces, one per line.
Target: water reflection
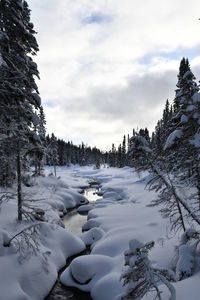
{"x":91,"y":194}
{"x":73,"y":223}
{"x":72,"y":220}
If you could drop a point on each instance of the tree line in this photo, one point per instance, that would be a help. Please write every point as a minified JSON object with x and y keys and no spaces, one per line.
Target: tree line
{"x":172,"y":158}
{"x":172,"y":154}
{"x":62,"y":153}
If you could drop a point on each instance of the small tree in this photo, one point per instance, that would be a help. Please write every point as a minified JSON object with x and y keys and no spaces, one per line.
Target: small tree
{"x":52,"y":151}
{"x":187,"y":254}
{"x":141,"y":278}
{"x":160,"y":181}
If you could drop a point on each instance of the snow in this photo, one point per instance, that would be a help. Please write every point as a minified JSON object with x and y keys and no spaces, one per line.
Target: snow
{"x":196,"y":98}
{"x":84,"y":208}
{"x":2,"y":62}
{"x":184,"y":119}
{"x":188,"y":74}
{"x":190,"y":108}
{"x":36,"y":98}
{"x":20,"y":275}
{"x":196,"y":140}
{"x":139,"y":143}
{"x":26,"y":275}
{"x":176,"y":134}
{"x":91,"y":236}
{"x":124,"y":216}
{"x":185,"y":262}
{"x":115,"y":222}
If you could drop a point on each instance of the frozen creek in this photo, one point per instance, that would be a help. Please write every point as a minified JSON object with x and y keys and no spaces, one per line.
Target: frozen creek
{"x":73,"y":222}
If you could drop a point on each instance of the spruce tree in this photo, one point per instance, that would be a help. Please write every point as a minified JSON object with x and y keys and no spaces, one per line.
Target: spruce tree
{"x":18,"y":90}
{"x":52,"y":152}
{"x":183,"y":68}
{"x":124,"y":151}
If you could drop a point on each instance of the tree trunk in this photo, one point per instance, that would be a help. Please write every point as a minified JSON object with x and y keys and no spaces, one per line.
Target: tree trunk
{"x":179,"y":201}
{"x":19,"y":184}
{"x":198,"y":181}
{"x":54,"y":169}
{"x":170,"y":187}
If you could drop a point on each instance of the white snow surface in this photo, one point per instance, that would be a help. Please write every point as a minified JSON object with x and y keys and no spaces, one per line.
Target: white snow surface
{"x":176,"y":134}
{"x":112,"y":223}
{"x":196,"y":140}
{"x":184,"y":119}
{"x":196,"y":98}
{"x":30,"y":277}
{"x":123,"y":214}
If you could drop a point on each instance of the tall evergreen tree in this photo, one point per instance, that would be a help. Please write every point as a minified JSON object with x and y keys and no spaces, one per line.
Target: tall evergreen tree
{"x":124,"y":151}
{"x":52,"y":151}
{"x":18,"y":90}
{"x":184,"y":67}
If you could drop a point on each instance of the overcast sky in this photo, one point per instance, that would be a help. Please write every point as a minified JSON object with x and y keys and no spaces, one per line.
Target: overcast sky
{"x":107,"y":66}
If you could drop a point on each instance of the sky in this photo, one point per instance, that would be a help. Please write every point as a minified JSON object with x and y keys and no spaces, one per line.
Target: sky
{"x":108,"y":66}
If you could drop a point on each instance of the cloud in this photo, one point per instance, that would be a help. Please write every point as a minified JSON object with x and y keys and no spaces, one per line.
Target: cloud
{"x":109,"y":66}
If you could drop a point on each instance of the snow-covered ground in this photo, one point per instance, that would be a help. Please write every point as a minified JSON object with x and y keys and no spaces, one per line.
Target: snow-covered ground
{"x":25,"y":275}
{"x":122,"y":215}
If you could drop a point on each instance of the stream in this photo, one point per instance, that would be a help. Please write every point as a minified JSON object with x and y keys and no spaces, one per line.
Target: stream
{"x":73,"y":222}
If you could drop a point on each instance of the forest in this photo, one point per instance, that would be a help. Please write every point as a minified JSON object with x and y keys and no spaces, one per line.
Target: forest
{"x":153,"y":174}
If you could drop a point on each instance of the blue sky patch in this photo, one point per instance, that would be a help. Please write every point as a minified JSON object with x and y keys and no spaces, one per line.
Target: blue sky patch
{"x":97,"y":18}
{"x":177,"y":54}
{"x":49,"y":103}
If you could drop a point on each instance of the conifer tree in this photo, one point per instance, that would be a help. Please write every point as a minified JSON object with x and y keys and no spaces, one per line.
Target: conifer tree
{"x":184,"y":67}
{"x":119,"y":157}
{"x":18,"y":90}
{"x":52,"y":151}
{"x":141,"y":278}
{"x":124,"y":151}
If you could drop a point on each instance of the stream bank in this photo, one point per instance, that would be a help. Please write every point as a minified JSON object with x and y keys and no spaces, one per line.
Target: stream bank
{"x":73,"y":222}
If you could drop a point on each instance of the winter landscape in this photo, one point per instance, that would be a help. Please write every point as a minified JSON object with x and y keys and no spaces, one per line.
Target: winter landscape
{"x":100,"y":159}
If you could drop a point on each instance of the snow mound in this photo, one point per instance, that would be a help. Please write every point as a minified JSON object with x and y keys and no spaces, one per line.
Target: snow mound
{"x":92,"y":236}
{"x":196,"y":140}
{"x":93,"y":273}
{"x":84,"y":208}
{"x":57,"y":244}
{"x":176,"y":134}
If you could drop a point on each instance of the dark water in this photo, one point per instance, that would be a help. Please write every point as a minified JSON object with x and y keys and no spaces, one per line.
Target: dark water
{"x":73,"y":222}
{"x":61,"y":292}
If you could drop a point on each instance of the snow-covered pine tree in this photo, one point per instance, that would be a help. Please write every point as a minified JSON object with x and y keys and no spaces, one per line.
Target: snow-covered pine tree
{"x":52,"y":152}
{"x":124,"y":151}
{"x":119,"y":157}
{"x":144,"y":133}
{"x":112,"y":156}
{"x":141,"y":278}
{"x":42,"y":135}
{"x":157,"y":139}
{"x":171,"y":202}
{"x":162,"y":131}
{"x":183,"y":68}
{"x":183,"y":144}
{"x":18,"y":90}
{"x":187,"y":253}
{"x":38,"y":153}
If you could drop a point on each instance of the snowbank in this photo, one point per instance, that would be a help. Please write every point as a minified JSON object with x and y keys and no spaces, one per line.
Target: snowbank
{"x":122,"y":215}
{"x":30,"y":275}
{"x":112,"y":222}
